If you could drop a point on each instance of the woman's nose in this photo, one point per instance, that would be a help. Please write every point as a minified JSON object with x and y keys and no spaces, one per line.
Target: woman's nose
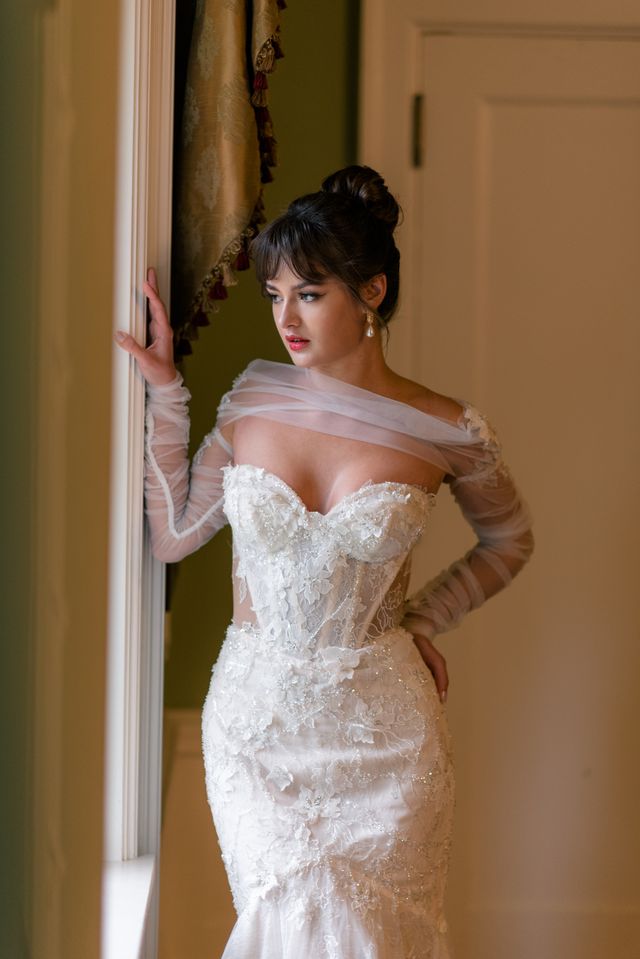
{"x":288,"y":315}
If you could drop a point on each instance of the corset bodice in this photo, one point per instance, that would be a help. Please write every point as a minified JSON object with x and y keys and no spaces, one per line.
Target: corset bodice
{"x":317,"y":579}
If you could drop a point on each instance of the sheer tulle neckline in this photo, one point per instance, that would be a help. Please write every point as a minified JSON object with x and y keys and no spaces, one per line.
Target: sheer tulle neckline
{"x":367,"y":487}
{"x":296,"y":375}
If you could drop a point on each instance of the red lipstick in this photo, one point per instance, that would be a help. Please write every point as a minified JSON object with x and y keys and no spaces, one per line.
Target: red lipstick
{"x":296,"y":342}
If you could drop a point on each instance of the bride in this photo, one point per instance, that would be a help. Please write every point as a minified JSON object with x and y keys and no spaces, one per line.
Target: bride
{"x":324,"y":731}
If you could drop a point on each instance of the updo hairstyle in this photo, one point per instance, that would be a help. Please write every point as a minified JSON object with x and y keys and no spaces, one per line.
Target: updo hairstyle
{"x":344,"y":231}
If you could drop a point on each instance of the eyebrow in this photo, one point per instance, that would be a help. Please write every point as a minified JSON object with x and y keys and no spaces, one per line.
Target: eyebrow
{"x":298,"y":286}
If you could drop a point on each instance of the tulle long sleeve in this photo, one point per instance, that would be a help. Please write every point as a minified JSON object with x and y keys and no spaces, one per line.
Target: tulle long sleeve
{"x":184,"y":504}
{"x":491,"y":503}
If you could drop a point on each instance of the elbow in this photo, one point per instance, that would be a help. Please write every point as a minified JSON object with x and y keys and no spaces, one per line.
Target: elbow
{"x":528,"y":545}
{"x":168,"y":550}
{"x":171,"y":547}
{"x":167,"y":555}
{"x":509,"y":556}
{"x":525,"y":547}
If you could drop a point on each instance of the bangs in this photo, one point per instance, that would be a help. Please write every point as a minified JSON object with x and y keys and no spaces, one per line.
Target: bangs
{"x":333,"y":234}
{"x":306,"y":251}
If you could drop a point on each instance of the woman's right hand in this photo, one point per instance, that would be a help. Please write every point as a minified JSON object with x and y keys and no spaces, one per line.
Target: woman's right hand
{"x":436,"y":663}
{"x":156,"y":361}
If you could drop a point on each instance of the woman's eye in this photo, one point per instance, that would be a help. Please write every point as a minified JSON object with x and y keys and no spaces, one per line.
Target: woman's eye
{"x":304,"y":297}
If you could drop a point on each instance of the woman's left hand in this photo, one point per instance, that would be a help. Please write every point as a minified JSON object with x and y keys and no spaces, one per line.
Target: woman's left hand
{"x":436,"y":663}
{"x":155,"y":362}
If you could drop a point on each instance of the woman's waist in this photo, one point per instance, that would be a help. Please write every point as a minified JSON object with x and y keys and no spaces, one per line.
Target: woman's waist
{"x":328,"y":652}
{"x":303,"y":683}
{"x":291,"y":638}
{"x":328,"y":624}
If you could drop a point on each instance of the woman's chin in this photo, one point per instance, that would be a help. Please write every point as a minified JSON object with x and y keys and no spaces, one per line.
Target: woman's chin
{"x":302,"y":357}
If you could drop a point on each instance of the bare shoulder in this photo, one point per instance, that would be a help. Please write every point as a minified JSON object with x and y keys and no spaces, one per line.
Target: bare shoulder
{"x":429,"y":401}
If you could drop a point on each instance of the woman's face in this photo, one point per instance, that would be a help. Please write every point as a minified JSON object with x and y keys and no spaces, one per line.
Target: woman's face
{"x":321,"y":324}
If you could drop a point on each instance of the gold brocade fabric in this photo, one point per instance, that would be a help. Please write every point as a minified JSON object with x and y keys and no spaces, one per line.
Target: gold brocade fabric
{"x":226,"y":150}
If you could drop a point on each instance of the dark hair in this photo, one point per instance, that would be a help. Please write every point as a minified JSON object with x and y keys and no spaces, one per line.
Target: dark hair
{"x":345,"y":230}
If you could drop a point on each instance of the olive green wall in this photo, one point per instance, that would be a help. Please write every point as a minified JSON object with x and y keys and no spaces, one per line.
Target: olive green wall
{"x":19,"y":106}
{"x":313,"y":98}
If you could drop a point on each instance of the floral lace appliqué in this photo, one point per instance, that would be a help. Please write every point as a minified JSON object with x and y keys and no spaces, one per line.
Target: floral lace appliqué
{"x":326,"y":748}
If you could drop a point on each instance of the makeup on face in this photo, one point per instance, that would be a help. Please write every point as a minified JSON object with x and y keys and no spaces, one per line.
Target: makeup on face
{"x":320,"y":323}
{"x":296,"y":343}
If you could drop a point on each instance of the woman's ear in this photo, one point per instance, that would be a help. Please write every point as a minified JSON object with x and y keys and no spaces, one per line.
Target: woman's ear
{"x":373,"y":292}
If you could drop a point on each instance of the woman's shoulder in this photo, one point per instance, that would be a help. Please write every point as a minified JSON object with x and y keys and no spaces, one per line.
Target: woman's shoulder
{"x":430,"y":401}
{"x":454,"y":410}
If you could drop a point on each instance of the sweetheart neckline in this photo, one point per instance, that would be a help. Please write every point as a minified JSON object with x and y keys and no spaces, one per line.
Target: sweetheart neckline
{"x":367,"y":485}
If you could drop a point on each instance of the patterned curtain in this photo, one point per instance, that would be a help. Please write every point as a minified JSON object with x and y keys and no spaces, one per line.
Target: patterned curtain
{"x":224,"y":156}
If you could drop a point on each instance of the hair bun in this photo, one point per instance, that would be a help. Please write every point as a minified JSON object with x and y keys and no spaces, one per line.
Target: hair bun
{"x":364,"y":184}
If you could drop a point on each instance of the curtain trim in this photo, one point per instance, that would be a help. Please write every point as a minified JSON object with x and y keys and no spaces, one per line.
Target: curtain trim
{"x":235,"y":257}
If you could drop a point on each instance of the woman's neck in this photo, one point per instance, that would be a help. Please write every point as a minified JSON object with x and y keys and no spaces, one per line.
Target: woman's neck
{"x":366,"y":369}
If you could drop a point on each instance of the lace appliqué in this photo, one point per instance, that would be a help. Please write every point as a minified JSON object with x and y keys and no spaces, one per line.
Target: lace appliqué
{"x":327,"y":753}
{"x":491,"y":469}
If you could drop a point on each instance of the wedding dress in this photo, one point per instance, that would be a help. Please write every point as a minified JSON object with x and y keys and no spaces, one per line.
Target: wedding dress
{"x":326,"y":748}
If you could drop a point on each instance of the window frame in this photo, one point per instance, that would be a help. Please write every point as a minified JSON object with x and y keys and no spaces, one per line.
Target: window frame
{"x":135,"y":656}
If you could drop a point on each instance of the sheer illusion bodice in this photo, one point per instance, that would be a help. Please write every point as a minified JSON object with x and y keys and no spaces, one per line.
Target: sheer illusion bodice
{"x":326,"y":748}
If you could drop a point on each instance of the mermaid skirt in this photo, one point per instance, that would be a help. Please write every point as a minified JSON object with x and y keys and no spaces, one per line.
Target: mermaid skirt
{"x":330,"y":781}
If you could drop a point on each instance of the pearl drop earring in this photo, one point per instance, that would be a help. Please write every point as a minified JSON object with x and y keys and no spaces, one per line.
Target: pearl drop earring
{"x":370,"y":327}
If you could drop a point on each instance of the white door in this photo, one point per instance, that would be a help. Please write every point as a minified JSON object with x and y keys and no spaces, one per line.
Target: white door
{"x":522,"y":253}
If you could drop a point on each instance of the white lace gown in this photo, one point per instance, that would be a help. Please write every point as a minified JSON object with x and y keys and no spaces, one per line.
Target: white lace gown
{"x":326,"y":748}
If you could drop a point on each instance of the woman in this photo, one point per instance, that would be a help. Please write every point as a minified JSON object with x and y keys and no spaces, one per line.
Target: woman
{"x":325,"y":738}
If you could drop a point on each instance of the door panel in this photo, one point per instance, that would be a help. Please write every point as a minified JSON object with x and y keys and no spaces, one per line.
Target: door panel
{"x":526,"y":263}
